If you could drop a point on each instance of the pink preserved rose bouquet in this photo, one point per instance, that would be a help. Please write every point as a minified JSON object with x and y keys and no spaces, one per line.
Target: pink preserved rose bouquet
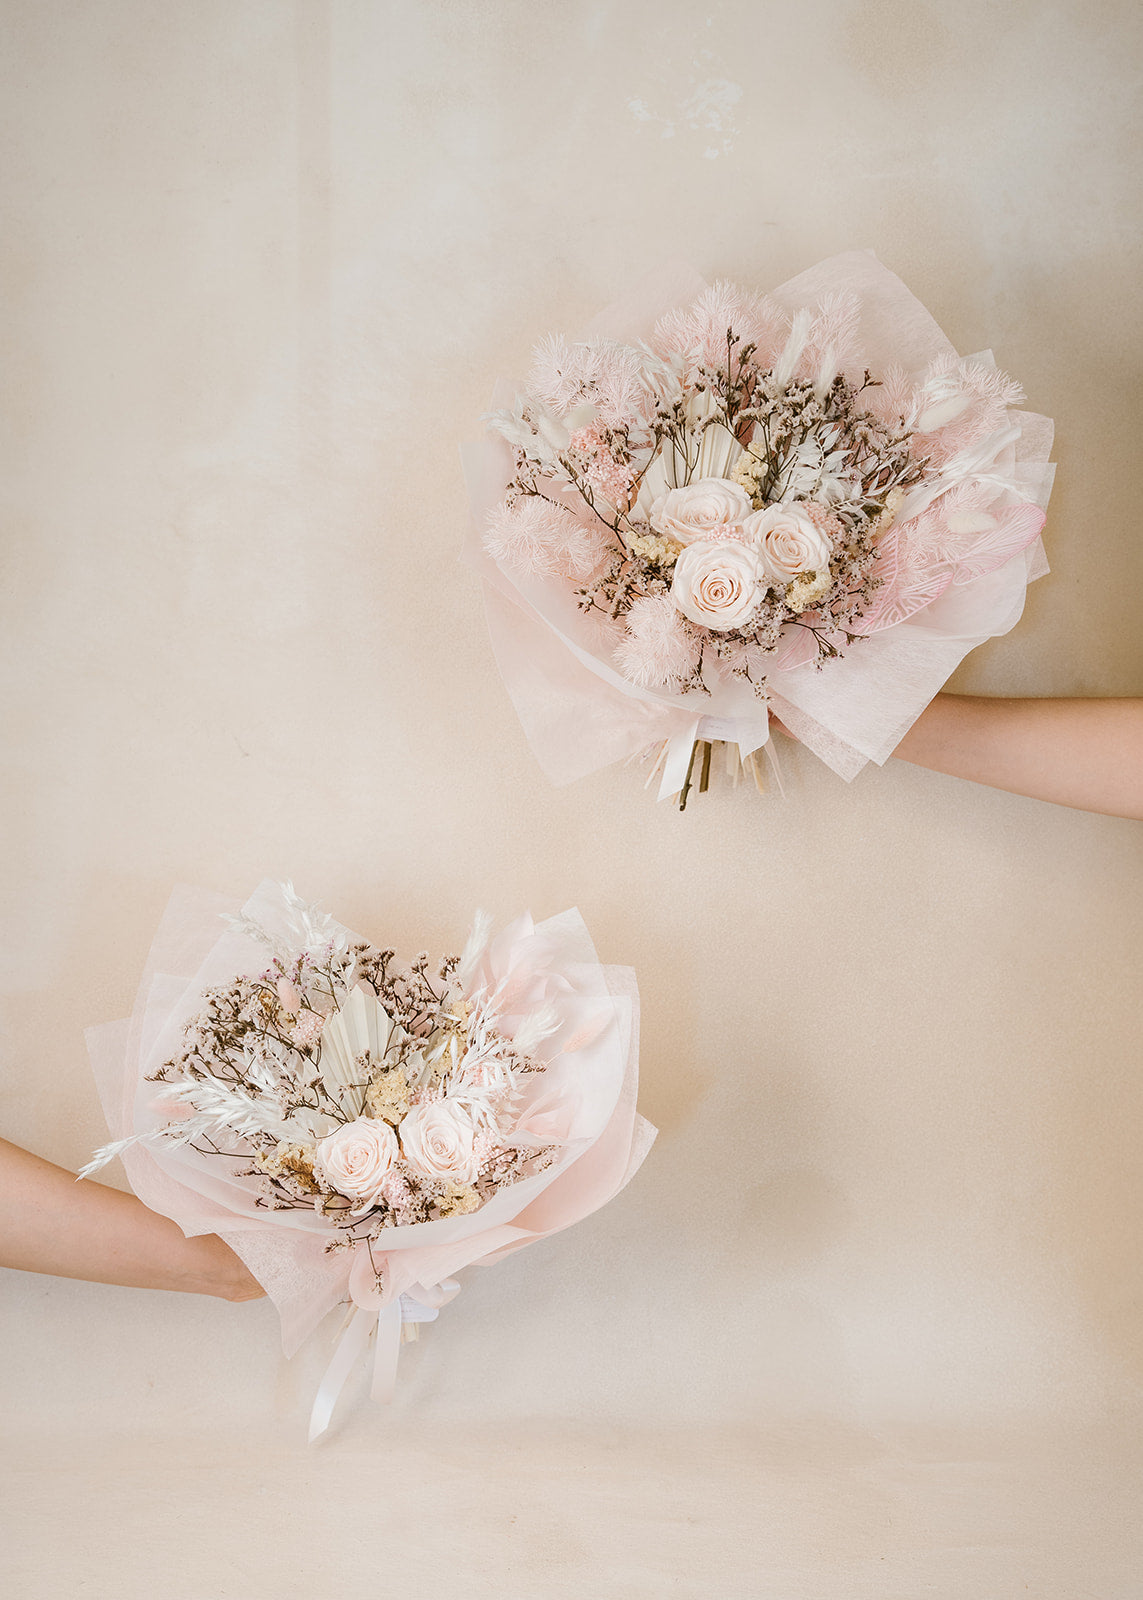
{"x":716,"y":504}
{"x":358,"y":1129}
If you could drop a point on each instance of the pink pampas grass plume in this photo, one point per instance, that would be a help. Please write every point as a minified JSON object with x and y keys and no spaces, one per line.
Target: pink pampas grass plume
{"x":658,"y":648}
{"x":533,"y":535}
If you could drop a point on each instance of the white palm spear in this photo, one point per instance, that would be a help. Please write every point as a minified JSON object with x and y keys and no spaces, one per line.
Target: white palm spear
{"x":360,"y":1024}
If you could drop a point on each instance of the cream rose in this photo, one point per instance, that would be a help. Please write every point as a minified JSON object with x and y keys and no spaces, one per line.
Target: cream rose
{"x":706,"y":509}
{"x":718,"y":584}
{"x":439,"y":1141}
{"x":788,"y":542}
{"x":356,"y":1158}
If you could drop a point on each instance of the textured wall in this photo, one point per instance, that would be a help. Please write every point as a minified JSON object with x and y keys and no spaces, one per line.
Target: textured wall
{"x":870,"y":1321}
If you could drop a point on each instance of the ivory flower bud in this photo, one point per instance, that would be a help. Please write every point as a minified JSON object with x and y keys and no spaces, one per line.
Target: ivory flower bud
{"x":942,"y":410}
{"x":289,"y":997}
{"x":788,"y":542}
{"x":355,"y":1159}
{"x":718,"y":584}
{"x":438,"y":1138}
{"x":706,"y":509}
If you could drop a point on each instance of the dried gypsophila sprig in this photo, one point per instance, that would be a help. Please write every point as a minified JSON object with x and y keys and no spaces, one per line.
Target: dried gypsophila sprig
{"x":253,"y":1090}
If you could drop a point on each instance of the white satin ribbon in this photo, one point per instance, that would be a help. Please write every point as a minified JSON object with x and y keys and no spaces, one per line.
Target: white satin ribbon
{"x":775,"y":767}
{"x":748,"y":735}
{"x":385,"y":1323}
{"x":351,"y":1347}
{"x":677,"y":763}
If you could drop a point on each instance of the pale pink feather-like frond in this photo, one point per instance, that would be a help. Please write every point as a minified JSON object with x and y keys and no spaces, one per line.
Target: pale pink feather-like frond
{"x":657,"y":649}
{"x":622,"y":394}
{"x":984,"y":383}
{"x":983,"y":395}
{"x":534,"y":536}
{"x":604,"y":374}
{"x":561,"y":372}
{"x":893,"y":398}
{"x":699,"y":331}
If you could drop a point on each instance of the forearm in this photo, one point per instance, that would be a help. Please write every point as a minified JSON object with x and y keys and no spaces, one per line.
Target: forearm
{"x":51,"y":1222}
{"x":1082,"y":753}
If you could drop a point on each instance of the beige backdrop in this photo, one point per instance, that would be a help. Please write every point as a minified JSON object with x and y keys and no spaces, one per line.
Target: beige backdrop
{"x":869,"y":1323}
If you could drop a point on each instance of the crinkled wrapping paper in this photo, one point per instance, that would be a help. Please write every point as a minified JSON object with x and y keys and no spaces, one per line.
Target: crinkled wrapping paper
{"x":580,"y":714}
{"x":285,"y":1250}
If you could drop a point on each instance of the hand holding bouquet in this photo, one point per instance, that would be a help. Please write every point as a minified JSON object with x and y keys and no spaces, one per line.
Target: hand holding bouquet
{"x":358,"y":1128}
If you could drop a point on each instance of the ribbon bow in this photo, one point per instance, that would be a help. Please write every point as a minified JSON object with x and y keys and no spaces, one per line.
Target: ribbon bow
{"x":374,"y":1314}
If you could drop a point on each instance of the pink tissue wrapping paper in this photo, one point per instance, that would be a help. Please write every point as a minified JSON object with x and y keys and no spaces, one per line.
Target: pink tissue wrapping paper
{"x":580,"y":715}
{"x":285,"y":1250}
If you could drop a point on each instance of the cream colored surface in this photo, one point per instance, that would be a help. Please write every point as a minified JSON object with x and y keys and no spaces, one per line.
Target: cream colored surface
{"x":870,"y":1321}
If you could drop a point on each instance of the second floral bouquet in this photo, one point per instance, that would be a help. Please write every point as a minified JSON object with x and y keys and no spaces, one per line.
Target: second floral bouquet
{"x":712,"y":494}
{"x":359,"y":1128}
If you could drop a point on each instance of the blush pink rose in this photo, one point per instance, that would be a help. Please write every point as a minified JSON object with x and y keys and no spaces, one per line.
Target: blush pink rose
{"x":439,"y":1140}
{"x":710,"y":508}
{"x":718,"y":584}
{"x":789,"y":542}
{"x":355,"y":1159}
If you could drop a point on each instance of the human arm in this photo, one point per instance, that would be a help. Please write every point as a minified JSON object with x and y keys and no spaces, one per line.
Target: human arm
{"x":52,"y":1222}
{"x":1084,"y":753}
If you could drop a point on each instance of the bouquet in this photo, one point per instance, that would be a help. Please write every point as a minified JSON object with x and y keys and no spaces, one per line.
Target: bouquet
{"x":358,"y":1128}
{"x":716,"y":504}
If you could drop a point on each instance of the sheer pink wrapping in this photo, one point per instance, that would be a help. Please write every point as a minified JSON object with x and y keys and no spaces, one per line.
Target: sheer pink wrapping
{"x":944,"y":592}
{"x":591,"y":1083}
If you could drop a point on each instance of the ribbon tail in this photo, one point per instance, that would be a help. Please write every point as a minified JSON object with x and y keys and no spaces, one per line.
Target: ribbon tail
{"x":677,"y":764}
{"x":658,"y":763}
{"x":387,"y":1351}
{"x":775,"y":766}
{"x":350,"y":1347}
{"x":387,"y":1320}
